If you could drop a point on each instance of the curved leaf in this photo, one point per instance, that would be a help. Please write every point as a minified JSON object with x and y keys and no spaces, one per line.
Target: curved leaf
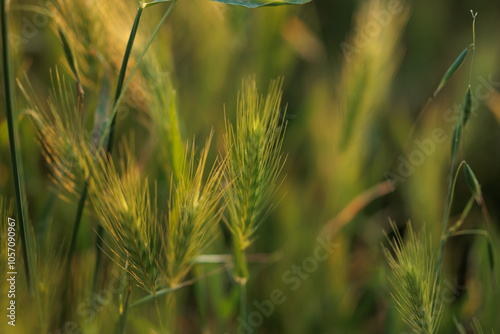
{"x":261,"y":3}
{"x":456,"y":64}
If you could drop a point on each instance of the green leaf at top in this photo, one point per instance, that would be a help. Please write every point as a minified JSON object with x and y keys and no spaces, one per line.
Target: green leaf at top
{"x":456,"y":64}
{"x":261,"y":3}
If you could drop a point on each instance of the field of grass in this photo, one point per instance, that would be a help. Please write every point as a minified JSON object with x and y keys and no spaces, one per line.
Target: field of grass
{"x":249,"y":166}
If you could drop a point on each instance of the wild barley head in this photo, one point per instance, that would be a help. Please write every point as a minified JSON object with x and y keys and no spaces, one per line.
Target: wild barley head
{"x":415,"y":281}
{"x":60,"y":133}
{"x":122,"y":201}
{"x":194,"y":213}
{"x":255,"y":159}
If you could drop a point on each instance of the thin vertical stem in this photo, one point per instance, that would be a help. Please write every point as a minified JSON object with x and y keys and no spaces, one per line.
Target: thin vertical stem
{"x":83,"y":196}
{"x":10,"y":108}
{"x":449,"y":196}
{"x":110,"y":128}
{"x":120,"y":329}
{"x":72,"y":246}
{"x":98,"y":248}
{"x":120,"y":91}
{"x":109,"y":148}
{"x":241,"y":275}
{"x":118,"y":99}
{"x":162,"y":328}
{"x":243,"y":300}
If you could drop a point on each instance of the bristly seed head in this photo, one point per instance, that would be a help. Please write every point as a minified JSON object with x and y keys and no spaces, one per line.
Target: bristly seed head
{"x":255,"y":159}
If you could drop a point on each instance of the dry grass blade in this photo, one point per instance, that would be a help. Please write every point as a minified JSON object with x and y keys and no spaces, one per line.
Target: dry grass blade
{"x":355,"y":206}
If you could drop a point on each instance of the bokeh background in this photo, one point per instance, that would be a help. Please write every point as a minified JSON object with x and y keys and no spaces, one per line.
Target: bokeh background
{"x":352,"y":103}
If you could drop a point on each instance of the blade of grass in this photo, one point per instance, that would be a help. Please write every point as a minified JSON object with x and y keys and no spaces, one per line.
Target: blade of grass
{"x":120,"y":328}
{"x":83,"y":196}
{"x":453,"y":68}
{"x":355,"y":206}
{"x":10,"y":109}
{"x":110,"y":128}
{"x":184,"y":284}
{"x":132,"y":72}
{"x":120,"y":92}
{"x":123,"y":71}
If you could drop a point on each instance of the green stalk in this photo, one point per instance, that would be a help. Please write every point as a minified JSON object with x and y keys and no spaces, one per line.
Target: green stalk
{"x":72,"y":245}
{"x":167,"y":291}
{"x":159,"y":293}
{"x":110,"y":128}
{"x":241,"y":275}
{"x":120,"y":92}
{"x":120,"y":328}
{"x":451,"y":185}
{"x":159,"y":315}
{"x":132,"y":72}
{"x":83,"y":196}
{"x":10,"y":108}
{"x":98,"y":248}
{"x":121,"y":77}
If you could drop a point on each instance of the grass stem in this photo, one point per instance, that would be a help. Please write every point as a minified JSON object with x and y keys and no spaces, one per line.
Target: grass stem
{"x":241,"y":275}
{"x":120,"y":329}
{"x":117,"y":101}
{"x":167,"y":291}
{"x":120,"y":91}
{"x":83,"y":196}
{"x":451,"y":184}
{"x":162,"y":328}
{"x":10,"y":108}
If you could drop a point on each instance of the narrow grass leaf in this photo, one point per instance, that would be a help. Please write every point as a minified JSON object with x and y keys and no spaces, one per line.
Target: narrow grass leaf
{"x":473,"y":184}
{"x":10,"y":109}
{"x":70,"y":58}
{"x":453,"y":68}
{"x":121,"y":76}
